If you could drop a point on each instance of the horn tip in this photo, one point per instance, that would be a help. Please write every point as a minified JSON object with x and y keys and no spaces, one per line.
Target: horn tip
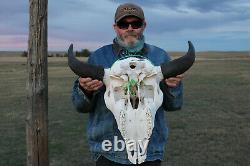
{"x":71,"y":46}
{"x":191,"y":46}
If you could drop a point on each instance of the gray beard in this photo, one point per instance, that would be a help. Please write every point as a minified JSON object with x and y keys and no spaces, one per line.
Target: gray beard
{"x":133,"y":47}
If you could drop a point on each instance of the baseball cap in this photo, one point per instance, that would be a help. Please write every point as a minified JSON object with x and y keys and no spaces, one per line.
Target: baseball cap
{"x":128,"y":9}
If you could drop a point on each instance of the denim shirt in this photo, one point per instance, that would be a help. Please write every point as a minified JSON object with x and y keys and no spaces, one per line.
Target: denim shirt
{"x":102,"y":124}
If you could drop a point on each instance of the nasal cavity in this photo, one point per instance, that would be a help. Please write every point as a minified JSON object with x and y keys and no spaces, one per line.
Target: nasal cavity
{"x":134,"y":102}
{"x":132,"y":66}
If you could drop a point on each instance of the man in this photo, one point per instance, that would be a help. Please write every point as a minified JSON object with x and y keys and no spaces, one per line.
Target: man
{"x":88,"y":94}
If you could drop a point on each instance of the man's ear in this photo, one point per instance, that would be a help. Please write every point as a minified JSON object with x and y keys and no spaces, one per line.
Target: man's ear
{"x":145,"y":24}
{"x":114,"y":26}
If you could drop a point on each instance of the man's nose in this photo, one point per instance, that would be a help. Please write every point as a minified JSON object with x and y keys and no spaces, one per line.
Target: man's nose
{"x":130,"y":27}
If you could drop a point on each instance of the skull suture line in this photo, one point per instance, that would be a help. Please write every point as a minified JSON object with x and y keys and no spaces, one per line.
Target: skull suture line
{"x":133,"y":94}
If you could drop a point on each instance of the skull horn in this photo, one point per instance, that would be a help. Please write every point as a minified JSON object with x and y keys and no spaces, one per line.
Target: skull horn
{"x":180,"y":65}
{"x":84,"y":69}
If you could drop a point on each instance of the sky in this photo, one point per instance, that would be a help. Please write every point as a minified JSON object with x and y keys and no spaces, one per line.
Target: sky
{"x":212,"y":25}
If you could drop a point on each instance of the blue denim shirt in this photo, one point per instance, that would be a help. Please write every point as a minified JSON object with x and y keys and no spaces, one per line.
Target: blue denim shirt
{"x":102,"y":124}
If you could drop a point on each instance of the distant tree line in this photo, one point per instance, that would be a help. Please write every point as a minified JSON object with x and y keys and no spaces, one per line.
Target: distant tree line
{"x":24,"y":54}
{"x":82,"y":53}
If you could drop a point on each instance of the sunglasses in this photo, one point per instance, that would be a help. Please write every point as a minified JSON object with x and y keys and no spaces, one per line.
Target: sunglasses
{"x":134,"y":24}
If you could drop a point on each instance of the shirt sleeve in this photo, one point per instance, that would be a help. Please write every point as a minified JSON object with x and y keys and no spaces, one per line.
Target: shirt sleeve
{"x":172,"y":97}
{"x":80,"y":100}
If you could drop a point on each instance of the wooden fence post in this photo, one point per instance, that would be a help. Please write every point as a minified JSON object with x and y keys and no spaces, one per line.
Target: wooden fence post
{"x":37,"y":85}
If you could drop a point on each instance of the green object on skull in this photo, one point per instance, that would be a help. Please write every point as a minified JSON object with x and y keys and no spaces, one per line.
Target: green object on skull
{"x":131,"y":86}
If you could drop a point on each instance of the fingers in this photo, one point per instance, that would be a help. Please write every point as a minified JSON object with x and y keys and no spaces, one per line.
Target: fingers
{"x":83,"y":81}
{"x":171,"y":84}
{"x":181,"y":76}
{"x":173,"y":81}
{"x":89,"y":84}
{"x":177,"y":78}
{"x":94,"y":85}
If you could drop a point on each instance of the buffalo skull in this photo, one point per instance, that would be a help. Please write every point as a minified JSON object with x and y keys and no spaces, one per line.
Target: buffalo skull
{"x":133,"y":94}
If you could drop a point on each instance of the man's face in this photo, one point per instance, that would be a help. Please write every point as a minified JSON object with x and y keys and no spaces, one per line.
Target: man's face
{"x":130,"y":29}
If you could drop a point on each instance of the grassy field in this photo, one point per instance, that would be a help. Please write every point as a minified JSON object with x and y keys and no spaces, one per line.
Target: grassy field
{"x":213,"y":128}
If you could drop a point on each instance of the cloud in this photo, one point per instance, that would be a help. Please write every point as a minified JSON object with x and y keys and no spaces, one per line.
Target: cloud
{"x":173,"y":15}
{"x":14,"y":17}
{"x":201,"y":6}
{"x":89,"y":23}
{"x":224,"y":6}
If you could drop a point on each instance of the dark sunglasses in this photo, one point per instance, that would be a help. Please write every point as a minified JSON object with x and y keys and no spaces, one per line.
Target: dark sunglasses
{"x":134,"y":24}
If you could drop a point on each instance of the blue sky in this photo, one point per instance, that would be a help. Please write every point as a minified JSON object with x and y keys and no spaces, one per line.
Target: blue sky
{"x":222,"y":25}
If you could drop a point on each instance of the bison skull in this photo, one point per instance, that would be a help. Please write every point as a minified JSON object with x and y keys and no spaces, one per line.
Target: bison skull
{"x":133,"y":94}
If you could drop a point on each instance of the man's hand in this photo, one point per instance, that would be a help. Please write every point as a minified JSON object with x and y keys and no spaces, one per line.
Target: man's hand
{"x":90,"y":85}
{"x":173,"y":81}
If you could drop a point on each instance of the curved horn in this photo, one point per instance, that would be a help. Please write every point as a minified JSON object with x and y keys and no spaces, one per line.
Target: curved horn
{"x":84,"y":69}
{"x":180,"y":65}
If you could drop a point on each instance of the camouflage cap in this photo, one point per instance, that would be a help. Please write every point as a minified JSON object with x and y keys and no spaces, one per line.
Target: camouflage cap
{"x":128,"y":9}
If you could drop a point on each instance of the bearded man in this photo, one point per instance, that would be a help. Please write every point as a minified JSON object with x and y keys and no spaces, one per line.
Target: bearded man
{"x":88,"y":94}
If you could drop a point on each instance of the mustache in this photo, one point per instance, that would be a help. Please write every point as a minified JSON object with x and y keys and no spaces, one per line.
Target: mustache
{"x":130,"y":33}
